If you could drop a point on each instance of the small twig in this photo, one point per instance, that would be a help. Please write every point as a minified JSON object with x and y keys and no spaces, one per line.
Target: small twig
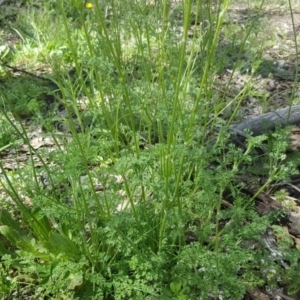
{"x":15,"y":69}
{"x":283,"y":296}
{"x":289,"y":184}
{"x":271,"y":244}
{"x":294,"y":187}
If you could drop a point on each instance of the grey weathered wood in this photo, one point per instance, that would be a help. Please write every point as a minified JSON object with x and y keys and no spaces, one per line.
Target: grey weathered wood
{"x":293,"y":222}
{"x":266,"y":122}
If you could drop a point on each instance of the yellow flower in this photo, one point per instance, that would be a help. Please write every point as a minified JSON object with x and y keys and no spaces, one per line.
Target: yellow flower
{"x":89,"y":5}
{"x":151,"y":3}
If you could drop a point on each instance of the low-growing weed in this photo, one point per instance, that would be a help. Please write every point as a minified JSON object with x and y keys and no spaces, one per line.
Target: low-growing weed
{"x":130,"y":203}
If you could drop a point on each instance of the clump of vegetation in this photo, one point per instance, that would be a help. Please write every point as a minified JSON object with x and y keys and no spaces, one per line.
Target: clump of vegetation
{"x":129,"y":203}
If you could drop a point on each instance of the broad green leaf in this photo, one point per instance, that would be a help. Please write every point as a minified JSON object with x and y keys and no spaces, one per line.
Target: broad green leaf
{"x":24,"y":243}
{"x":59,"y":243}
{"x":3,"y":249}
{"x":11,"y":234}
{"x":175,"y":287}
{"x":6,"y":219}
